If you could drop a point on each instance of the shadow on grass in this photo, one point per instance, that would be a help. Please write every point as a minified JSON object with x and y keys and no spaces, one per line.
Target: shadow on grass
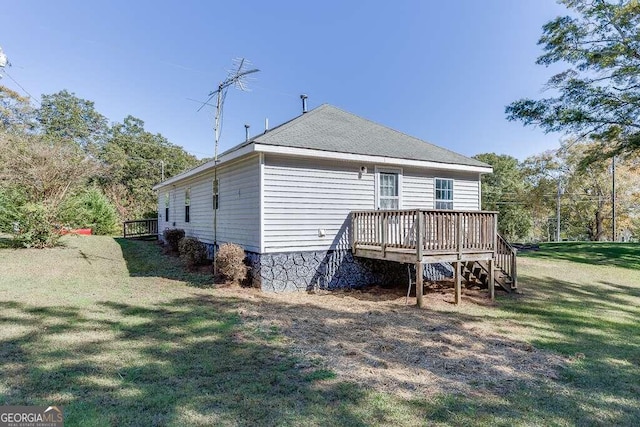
{"x":597,"y":326}
{"x":187,"y":362}
{"x":202,"y":360}
{"x":144,"y":258}
{"x":626,"y":255}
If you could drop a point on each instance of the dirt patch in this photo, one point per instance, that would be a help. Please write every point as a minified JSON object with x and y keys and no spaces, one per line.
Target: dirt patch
{"x":372,"y":337}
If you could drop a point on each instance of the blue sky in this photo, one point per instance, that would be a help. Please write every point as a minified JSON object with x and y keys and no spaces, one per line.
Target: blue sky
{"x":441,"y":71}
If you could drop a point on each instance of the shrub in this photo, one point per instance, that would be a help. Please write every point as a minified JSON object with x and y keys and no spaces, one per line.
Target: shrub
{"x":90,"y":209}
{"x":172,"y":237}
{"x":230,"y":262}
{"x":31,"y":224}
{"x":192,"y":251}
{"x":34,"y":228}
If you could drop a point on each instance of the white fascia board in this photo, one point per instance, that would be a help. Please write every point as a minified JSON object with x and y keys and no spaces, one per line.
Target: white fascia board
{"x":207,"y":166}
{"x":379,"y":160}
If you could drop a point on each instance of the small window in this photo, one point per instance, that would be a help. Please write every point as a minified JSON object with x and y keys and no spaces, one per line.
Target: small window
{"x":215,"y":194}
{"x":166,"y":207}
{"x":388,"y":197}
{"x":187,"y":203}
{"x":444,"y":193}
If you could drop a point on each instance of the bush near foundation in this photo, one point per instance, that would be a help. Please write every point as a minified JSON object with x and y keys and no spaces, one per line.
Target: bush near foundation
{"x":230,"y":262}
{"x":172,"y":237}
{"x":192,"y":251}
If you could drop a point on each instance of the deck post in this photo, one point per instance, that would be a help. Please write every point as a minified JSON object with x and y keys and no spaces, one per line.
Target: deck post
{"x":495,"y":234}
{"x":385,"y":230}
{"x":492,"y":279}
{"x":353,"y":233}
{"x":420,"y":237}
{"x":459,"y":242}
{"x":419,"y":284}
{"x":458,"y":282}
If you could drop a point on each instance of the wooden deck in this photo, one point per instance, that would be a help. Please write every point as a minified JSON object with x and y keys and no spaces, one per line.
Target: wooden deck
{"x":428,"y":236}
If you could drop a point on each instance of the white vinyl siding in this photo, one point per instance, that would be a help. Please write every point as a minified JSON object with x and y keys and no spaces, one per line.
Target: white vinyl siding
{"x":291,"y":203}
{"x":238,"y":216}
{"x":466,"y":193}
{"x":304,"y":198}
{"x":417,"y":189}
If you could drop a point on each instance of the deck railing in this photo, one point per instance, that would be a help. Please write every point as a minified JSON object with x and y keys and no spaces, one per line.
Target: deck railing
{"x":140,"y":228}
{"x":506,"y":259}
{"x":425,"y":231}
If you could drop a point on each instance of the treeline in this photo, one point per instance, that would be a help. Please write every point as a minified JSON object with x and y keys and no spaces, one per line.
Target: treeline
{"x":526,"y":194}
{"x":62,"y":164}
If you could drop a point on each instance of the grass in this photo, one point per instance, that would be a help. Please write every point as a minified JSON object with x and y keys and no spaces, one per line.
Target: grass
{"x":624,"y":255}
{"x":119,"y":335}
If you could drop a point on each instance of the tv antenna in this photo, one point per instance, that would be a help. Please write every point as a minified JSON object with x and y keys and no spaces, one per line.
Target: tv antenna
{"x":4,"y":61}
{"x":236,"y":77}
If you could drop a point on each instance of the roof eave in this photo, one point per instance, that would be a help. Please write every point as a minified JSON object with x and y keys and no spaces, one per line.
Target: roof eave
{"x":334,"y":155}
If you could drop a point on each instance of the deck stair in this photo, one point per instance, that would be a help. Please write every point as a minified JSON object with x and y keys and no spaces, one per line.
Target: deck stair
{"x":476,"y":273}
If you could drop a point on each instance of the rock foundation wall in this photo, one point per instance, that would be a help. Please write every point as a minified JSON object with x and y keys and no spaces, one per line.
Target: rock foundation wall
{"x":334,"y":269}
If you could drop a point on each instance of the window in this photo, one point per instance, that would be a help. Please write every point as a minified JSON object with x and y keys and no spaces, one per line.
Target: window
{"x":388,"y":197}
{"x":444,"y":193}
{"x":166,"y":207}
{"x":215,"y":194}
{"x":187,"y":203}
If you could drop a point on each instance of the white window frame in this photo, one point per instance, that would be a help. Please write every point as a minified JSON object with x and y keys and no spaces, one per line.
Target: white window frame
{"x":378,"y":171}
{"x":187,"y":204}
{"x":435,"y":193}
{"x":167,"y":206}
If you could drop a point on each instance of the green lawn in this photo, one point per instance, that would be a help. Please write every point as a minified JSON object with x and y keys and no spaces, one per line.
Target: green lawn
{"x":120,"y":335}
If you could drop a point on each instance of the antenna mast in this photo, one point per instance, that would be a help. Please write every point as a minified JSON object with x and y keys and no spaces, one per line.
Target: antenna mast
{"x":236,"y":77}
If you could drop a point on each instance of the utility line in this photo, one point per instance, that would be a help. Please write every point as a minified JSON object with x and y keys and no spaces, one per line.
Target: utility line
{"x":21,"y":87}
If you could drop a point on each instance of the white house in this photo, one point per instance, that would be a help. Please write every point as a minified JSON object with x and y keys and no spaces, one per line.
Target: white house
{"x":286,"y":196}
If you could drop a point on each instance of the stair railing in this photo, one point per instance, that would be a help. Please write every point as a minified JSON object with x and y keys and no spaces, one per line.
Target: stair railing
{"x":505,"y":259}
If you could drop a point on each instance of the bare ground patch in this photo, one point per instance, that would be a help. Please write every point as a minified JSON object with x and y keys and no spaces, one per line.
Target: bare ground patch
{"x":371,"y":337}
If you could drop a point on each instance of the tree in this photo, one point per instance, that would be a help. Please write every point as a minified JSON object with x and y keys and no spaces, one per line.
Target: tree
{"x":134,"y":160}
{"x":586,"y":196}
{"x":505,"y":191}
{"x":36,"y":175}
{"x":599,"y":95}
{"x":16,"y":113}
{"x":65,"y":117}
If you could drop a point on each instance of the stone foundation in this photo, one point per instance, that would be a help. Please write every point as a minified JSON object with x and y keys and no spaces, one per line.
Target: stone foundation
{"x":334,"y":269}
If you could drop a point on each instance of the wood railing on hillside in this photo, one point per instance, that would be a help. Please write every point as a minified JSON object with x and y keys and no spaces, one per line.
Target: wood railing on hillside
{"x":140,"y":228}
{"x":424,"y":232}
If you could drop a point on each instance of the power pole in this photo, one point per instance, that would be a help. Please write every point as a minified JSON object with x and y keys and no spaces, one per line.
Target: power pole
{"x":558,"y":212}
{"x":613,"y":198}
{"x":236,"y":78}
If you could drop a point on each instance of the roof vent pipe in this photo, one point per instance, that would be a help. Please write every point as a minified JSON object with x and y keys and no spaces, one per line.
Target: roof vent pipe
{"x":304,"y":103}
{"x":246,"y":132}
{"x":266,"y":125}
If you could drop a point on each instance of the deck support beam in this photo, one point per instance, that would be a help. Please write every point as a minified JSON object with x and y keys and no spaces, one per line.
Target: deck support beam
{"x":458,"y":282}
{"x":492,"y":279}
{"x":419,"y":285}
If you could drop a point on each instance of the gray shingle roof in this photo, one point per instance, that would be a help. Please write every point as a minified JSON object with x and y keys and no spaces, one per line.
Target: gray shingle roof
{"x":328,"y":128}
